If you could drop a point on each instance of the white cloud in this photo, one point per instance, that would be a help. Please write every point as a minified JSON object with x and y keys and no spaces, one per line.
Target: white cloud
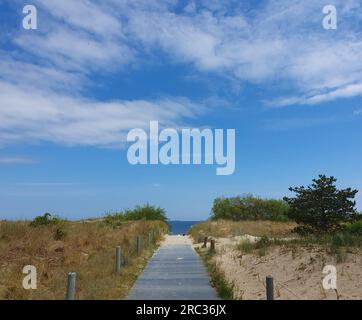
{"x":343,"y":92}
{"x":41,"y":85}
{"x":281,"y":40}
{"x":48,"y":184}
{"x":15,"y":160}
{"x":87,"y":15}
{"x":46,"y":78}
{"x":48,"y":116}
{"x":76,"y":50}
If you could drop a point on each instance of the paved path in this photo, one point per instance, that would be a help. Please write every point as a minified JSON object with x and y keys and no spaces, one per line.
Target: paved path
{"x":175,"y":272}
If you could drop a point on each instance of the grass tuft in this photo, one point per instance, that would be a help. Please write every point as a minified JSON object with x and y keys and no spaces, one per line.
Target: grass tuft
{"x":218,"y":279}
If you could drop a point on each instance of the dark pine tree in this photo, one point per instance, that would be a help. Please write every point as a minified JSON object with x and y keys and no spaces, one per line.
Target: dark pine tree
{"x":321,"y":207}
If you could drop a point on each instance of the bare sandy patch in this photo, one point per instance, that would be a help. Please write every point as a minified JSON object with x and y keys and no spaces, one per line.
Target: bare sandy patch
{"x":297,"y":271}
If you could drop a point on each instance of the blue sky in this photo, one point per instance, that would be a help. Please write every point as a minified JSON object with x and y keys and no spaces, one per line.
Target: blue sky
{"x":72,"y":89}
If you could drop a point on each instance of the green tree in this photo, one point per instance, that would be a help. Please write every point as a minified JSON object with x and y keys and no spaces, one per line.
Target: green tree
{"x":248,"y":207}
{"x":321,"y":207}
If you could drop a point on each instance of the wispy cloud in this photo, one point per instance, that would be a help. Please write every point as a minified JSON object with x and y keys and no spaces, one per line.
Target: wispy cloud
{"x":42,"y":88}
{"x":283,"y":124}
{"x":282,"y":41}
{"x":52,"y":117}
{"x":48,"y":184}
{"x":16,"y":160}
{"x":156,"y":185}
{"x":343,"y":92}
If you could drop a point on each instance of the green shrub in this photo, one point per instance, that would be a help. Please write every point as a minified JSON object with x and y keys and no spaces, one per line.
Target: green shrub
{"x":337,"y":240}
{"x":261,"y":245}
{"x":146,"y":212}
{"x":249,"y":207}
{"x":263,"y":242}
{"x":59,"y":234}
{"x":46,"y":220}
{"x":355,"y":228}
{"x":114,"y":219}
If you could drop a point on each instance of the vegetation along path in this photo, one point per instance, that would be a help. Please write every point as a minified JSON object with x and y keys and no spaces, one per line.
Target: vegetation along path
{"x":175,"y":272}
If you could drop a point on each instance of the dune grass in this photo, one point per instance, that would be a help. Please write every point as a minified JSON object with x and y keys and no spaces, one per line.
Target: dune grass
{"x":217,"y":276}
{"x":227,"y":228}
{"x":87,"y":248}
{"x":339,"y":244}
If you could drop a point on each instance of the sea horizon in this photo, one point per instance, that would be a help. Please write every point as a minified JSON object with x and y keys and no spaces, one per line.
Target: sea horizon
{"x":182,"y":226}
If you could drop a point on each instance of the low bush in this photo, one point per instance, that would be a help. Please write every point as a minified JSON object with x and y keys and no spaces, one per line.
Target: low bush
{"x":263,"y":242}
{"x":249,"y":207}
{"x":246,"y":246}
{"x":114,"y":219}
{"x":146,"y":212}
{"x":46,"y":220}
{"x":355,"y":228}
{"x":59,"y":234}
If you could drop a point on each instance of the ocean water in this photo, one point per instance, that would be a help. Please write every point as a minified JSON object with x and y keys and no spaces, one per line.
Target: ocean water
{"x":180,"y":227}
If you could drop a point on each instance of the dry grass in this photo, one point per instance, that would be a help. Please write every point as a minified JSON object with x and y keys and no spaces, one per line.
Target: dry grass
{"x":227,"y":228}
{"x":87,"y":249}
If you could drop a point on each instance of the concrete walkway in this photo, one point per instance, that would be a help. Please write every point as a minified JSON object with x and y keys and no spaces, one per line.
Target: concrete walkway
{"x":175,"y":272}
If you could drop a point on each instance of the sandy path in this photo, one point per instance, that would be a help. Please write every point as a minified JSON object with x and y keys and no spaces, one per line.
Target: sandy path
{"x":175,"y":240}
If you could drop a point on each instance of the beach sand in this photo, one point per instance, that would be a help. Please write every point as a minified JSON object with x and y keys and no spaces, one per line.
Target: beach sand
{"x":297,"y":271}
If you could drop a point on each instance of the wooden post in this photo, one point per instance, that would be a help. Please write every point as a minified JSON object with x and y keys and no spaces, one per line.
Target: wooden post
{"x":138,"y":245}
{"x":212,"y":245}
{"x":118,"y":259}
{"x":70,"y":295}
{"x":269,"y":288}
{"x":205,"y":242}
